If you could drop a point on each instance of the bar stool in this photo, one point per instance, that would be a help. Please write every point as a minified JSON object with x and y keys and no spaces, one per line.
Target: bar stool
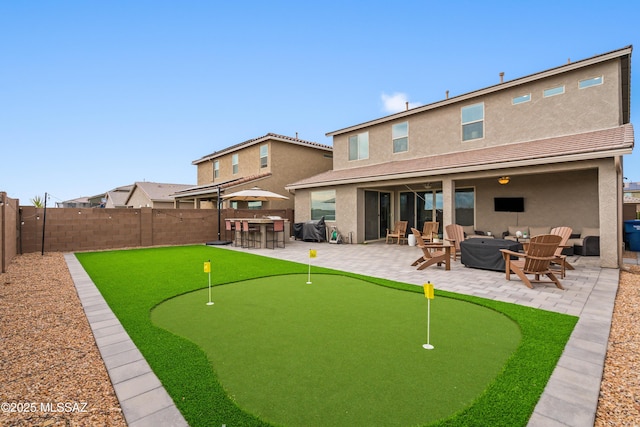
{"x":228,"y":226}
{"x":276,"y":229}
{"x":249,"y":234}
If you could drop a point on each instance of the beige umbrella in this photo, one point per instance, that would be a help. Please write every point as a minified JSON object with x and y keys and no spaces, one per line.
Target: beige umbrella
{"x":255,"y":194}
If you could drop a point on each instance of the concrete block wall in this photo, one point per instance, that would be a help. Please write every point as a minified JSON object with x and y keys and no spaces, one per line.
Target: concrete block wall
{"x":87,"y":229}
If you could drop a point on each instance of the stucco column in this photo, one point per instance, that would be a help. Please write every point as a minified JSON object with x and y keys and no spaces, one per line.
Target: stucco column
{"x":448,"y":202}
{"x":608,"y":215}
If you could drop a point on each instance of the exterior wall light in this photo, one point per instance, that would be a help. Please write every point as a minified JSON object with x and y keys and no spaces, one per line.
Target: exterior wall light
{"x":504,"y":180}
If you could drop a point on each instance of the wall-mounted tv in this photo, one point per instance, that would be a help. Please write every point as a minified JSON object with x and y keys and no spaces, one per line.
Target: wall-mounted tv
{"x":508,"y":204}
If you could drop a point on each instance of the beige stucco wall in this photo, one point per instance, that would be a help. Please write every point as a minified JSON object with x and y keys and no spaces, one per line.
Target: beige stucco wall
{"x":439,"y":131}
{"x":554,"y":196}
{"x":205,"y":172}
{"x":138,"y":199}
{"x":287,"y":163}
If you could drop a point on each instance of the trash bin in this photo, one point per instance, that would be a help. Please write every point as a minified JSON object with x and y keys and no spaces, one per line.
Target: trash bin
{"x":412,"y":240}
{"x":632,"y":234}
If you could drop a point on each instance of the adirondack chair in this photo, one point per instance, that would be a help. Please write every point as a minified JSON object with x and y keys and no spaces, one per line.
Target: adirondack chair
{"x":429,"y":230}
{"x":535,"y":260}
{"x":561,"y":260}
{"x":455,"y":235}
{"x":428,"y":257}
{"x":399,"y":232}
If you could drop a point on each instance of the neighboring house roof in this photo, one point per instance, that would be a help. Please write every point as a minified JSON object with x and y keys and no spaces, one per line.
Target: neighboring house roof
{"x":624,"y":53}
{"x":75,"y":202}
{"x":157,"y":192}
{"x":589,"y":145}
{"x":269,"y":136}
{"x":119,"y":196}
{"x":78,"y":200}
{"x":632,"y":186}
{"x":208,"y":189}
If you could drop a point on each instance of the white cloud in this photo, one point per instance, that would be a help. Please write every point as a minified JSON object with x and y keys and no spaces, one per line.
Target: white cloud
{"x":396,"y":102}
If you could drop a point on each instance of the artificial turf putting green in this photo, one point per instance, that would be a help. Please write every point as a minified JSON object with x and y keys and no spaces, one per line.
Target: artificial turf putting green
{"x":133,"y":282}
{"x":341,"y":351}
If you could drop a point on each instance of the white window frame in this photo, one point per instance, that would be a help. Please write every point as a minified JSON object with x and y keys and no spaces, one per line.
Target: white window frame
{"x":234,"y":164}
{"x":398,"y":135}
{"x":473,"y":121}
{"x":553,"y":91}
{"x":216,"y":169}
{"x":590,"y":82}
{"x":360,"y":149}
{"x":264,"y":156}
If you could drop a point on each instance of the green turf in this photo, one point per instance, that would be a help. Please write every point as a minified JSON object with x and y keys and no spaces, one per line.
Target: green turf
{"x":134,"y":282}
{"x":342,"y":352}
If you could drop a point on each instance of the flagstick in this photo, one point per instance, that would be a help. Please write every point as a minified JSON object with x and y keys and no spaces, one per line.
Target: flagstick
{"x":428,"y":293}
{"x":428,"y":346}
{"x":312,"y":254}
{"x":210,"y":302}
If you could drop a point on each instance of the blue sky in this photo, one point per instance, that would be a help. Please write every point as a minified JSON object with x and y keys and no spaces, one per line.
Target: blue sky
{"x":96,"y":95}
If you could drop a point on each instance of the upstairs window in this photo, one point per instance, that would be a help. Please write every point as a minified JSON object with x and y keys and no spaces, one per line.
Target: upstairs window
{"x":400,"y":135}
{"x":594,"y":81}
{"x":473,"y":122}
{"x":234,"y":164}
{"x":359,"y":146}
{"x":216,"y":169}
{"x":520,"y":99}
{"x":558,"y":90}
{"x":264,"y":156}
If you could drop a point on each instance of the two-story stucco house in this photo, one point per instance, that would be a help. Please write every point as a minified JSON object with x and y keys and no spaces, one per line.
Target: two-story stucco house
{"x":269,"y":162}
{"x":553,"y":142}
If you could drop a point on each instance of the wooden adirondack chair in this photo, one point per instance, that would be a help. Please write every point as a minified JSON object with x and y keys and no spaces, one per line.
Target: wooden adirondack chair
{"x":429,"y":230}
{"x":399,"y":232}
{"x":561,"y":260}
{"x":455,"y":235}
{"x":428,"y":257}
{"x":535,"y":260}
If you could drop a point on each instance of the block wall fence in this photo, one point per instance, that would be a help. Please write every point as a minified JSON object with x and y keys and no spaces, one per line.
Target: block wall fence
{"x":26,"y":229}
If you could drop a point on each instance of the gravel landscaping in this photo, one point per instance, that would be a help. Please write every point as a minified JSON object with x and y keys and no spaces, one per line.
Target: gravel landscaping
{"x":52,"y":374}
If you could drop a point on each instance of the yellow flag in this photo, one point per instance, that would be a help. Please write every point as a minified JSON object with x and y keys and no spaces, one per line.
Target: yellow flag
{"x":428,"y":290}
{"x":312,"y":253}
{"x":207,"y":267}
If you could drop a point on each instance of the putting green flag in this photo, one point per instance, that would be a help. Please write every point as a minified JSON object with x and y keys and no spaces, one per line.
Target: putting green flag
{"x":312,"y":253}
{"x":207,"y":267}
{"x":428,"y":290}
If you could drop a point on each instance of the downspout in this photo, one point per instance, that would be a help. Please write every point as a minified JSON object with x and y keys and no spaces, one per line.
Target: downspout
{"x":620,"y":210}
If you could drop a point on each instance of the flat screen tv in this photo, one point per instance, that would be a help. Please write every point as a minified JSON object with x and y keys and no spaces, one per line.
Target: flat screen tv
{"x":508,"y":204}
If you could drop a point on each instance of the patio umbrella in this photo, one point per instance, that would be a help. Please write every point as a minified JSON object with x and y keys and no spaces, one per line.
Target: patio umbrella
{"x":255,"y":194}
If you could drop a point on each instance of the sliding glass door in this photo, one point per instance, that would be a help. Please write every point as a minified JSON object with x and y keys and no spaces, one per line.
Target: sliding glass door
{"x":419,"y":207}
{"x":377,"y":214}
